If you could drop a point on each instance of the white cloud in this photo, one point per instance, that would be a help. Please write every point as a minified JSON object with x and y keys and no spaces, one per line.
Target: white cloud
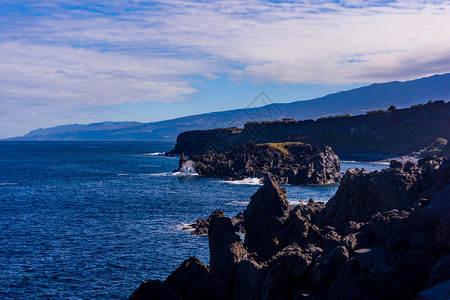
{"x":92,"y":56}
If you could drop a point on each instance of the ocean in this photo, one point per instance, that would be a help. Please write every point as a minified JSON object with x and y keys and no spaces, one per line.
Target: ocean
{"x":82,"y":220}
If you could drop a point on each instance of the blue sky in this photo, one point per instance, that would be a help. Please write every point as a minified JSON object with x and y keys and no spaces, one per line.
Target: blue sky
{"x":87,"y":61}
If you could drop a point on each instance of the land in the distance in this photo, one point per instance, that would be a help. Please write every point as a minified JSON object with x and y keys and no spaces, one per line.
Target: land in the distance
{"x":354,"y":102}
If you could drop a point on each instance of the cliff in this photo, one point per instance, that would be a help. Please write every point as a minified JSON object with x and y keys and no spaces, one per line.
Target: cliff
{"x":391,"y":132}
{"x":384,"y":235}
{"x":288,"y":163}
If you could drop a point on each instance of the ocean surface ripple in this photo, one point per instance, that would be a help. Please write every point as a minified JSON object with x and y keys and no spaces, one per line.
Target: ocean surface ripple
{"x":94,"y":219}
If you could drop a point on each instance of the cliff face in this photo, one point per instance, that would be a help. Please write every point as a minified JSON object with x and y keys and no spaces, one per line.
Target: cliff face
{"x":393,"y":132}
{"x":384,"y":235}
{"x":288,"y":163}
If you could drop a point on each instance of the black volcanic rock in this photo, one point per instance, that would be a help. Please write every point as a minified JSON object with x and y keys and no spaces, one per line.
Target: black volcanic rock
{"x":201,"y":227}
{"x":362,"y":194}
{"x":226,"y":251}
{"x":265,"y":214}
{"x":180,"y":280}
{"x":288,"y":163}
{"x":154,"y":289}
{"x":384,"y":235}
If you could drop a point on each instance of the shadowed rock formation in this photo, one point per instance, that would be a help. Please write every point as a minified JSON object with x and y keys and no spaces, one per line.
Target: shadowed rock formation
{"x":384,"y":235}
{"x":287,"y":163}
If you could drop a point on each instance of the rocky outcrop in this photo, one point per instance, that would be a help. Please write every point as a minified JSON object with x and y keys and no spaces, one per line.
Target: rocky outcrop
{"x":288,"y":163}
{"x":384,"y":235}
{"x":266,"y":213}
{"x":201,"y":227}
{"x":391,"y":132}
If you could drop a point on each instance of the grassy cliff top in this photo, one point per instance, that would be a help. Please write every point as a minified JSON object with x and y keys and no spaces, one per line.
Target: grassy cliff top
{"x":281,"y":146}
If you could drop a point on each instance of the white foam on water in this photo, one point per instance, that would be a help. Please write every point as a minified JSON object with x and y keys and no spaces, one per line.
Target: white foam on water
{"x":238,"y":203}
{"x":295,"y":202}
{"x":9,"y":183}
{"x":122,"y":174}
{"x":246,"y":181}
{"x":187,"y":173}
{"x":171,"y":174}
{"x":153,"y":154}
{"x":157,"y":174}
{"x":185,"y":227}
{"x":188,"y":166}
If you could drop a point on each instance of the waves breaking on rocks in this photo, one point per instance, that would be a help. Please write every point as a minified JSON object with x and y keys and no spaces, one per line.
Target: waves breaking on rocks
{"x":384,"y":235}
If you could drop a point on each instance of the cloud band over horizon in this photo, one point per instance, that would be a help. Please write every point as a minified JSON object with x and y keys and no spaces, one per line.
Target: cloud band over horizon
{"x":81,"y":61}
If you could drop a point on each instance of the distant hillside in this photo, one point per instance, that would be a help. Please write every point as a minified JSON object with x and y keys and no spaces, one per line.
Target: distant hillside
{"x":356,"y":101}
{"x":390,"y":132}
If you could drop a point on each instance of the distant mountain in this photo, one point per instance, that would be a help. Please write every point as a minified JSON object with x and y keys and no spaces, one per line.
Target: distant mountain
{"x":354,"y":102}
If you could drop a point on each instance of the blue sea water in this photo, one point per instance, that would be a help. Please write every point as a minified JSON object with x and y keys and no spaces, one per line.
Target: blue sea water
{"x":82,"y":220}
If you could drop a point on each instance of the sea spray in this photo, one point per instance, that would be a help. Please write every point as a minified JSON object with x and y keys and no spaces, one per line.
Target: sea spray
{"x":188,"y":167}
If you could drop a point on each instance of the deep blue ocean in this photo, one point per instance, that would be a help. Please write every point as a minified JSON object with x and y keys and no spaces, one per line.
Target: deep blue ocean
{"x":82,"y":220}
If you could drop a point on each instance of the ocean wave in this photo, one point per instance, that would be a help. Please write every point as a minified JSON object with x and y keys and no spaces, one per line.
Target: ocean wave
{"x":238,"y":203}
{"x":154,"y":154}
{"x":185,"y":227}
{"x":171,"y":174}
{"x":155,"y":174}
{"x":246,"y":181}
{"x":187,"y":173}
{"x":9,"y":183}
{"x":122,"y":174}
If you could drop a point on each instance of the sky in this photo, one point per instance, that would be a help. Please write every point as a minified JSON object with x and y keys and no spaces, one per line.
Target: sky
{"x":65,"y":62}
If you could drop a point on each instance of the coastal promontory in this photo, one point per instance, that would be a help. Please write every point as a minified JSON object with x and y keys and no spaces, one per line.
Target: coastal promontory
{"x":287,"y":163}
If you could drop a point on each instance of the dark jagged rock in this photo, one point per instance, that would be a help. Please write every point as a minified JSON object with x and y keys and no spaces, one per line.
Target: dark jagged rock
{"x":384,"y":235}
{"x":180,"y":280}
{"x":327,"y":266}
{"x":249,"y":279}
{"x":394,"y":164}
{"x":343,"y":280}
{"x":440,"y":272}
{"x":238,"y":222}
{"x":226,"y":251}
{"x":288,"y":163}
{"x":154,"y":289}
{"x":265,"y":214}
{"x":362,"y":194}
{"x":201,"y":227}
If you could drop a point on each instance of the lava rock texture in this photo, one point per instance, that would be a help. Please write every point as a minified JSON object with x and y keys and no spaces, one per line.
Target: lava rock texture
{"x":384,"y":235}
{"x":287,"y":163}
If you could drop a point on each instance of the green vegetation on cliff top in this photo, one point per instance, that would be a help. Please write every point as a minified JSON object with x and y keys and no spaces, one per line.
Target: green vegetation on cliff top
{"x":281,"y":146}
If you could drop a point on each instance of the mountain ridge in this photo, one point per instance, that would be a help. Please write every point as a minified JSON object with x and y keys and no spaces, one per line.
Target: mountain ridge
{"x":355,"y":101}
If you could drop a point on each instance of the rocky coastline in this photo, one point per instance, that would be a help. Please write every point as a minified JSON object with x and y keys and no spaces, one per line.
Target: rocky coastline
{"x":391,"y":132}
{"x":287,"y":163}
{"x":384,"y":235}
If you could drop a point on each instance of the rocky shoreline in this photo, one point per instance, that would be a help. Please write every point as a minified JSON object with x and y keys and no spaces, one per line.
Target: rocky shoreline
{"x":288,"y":163}
{"x":384,"y":235}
